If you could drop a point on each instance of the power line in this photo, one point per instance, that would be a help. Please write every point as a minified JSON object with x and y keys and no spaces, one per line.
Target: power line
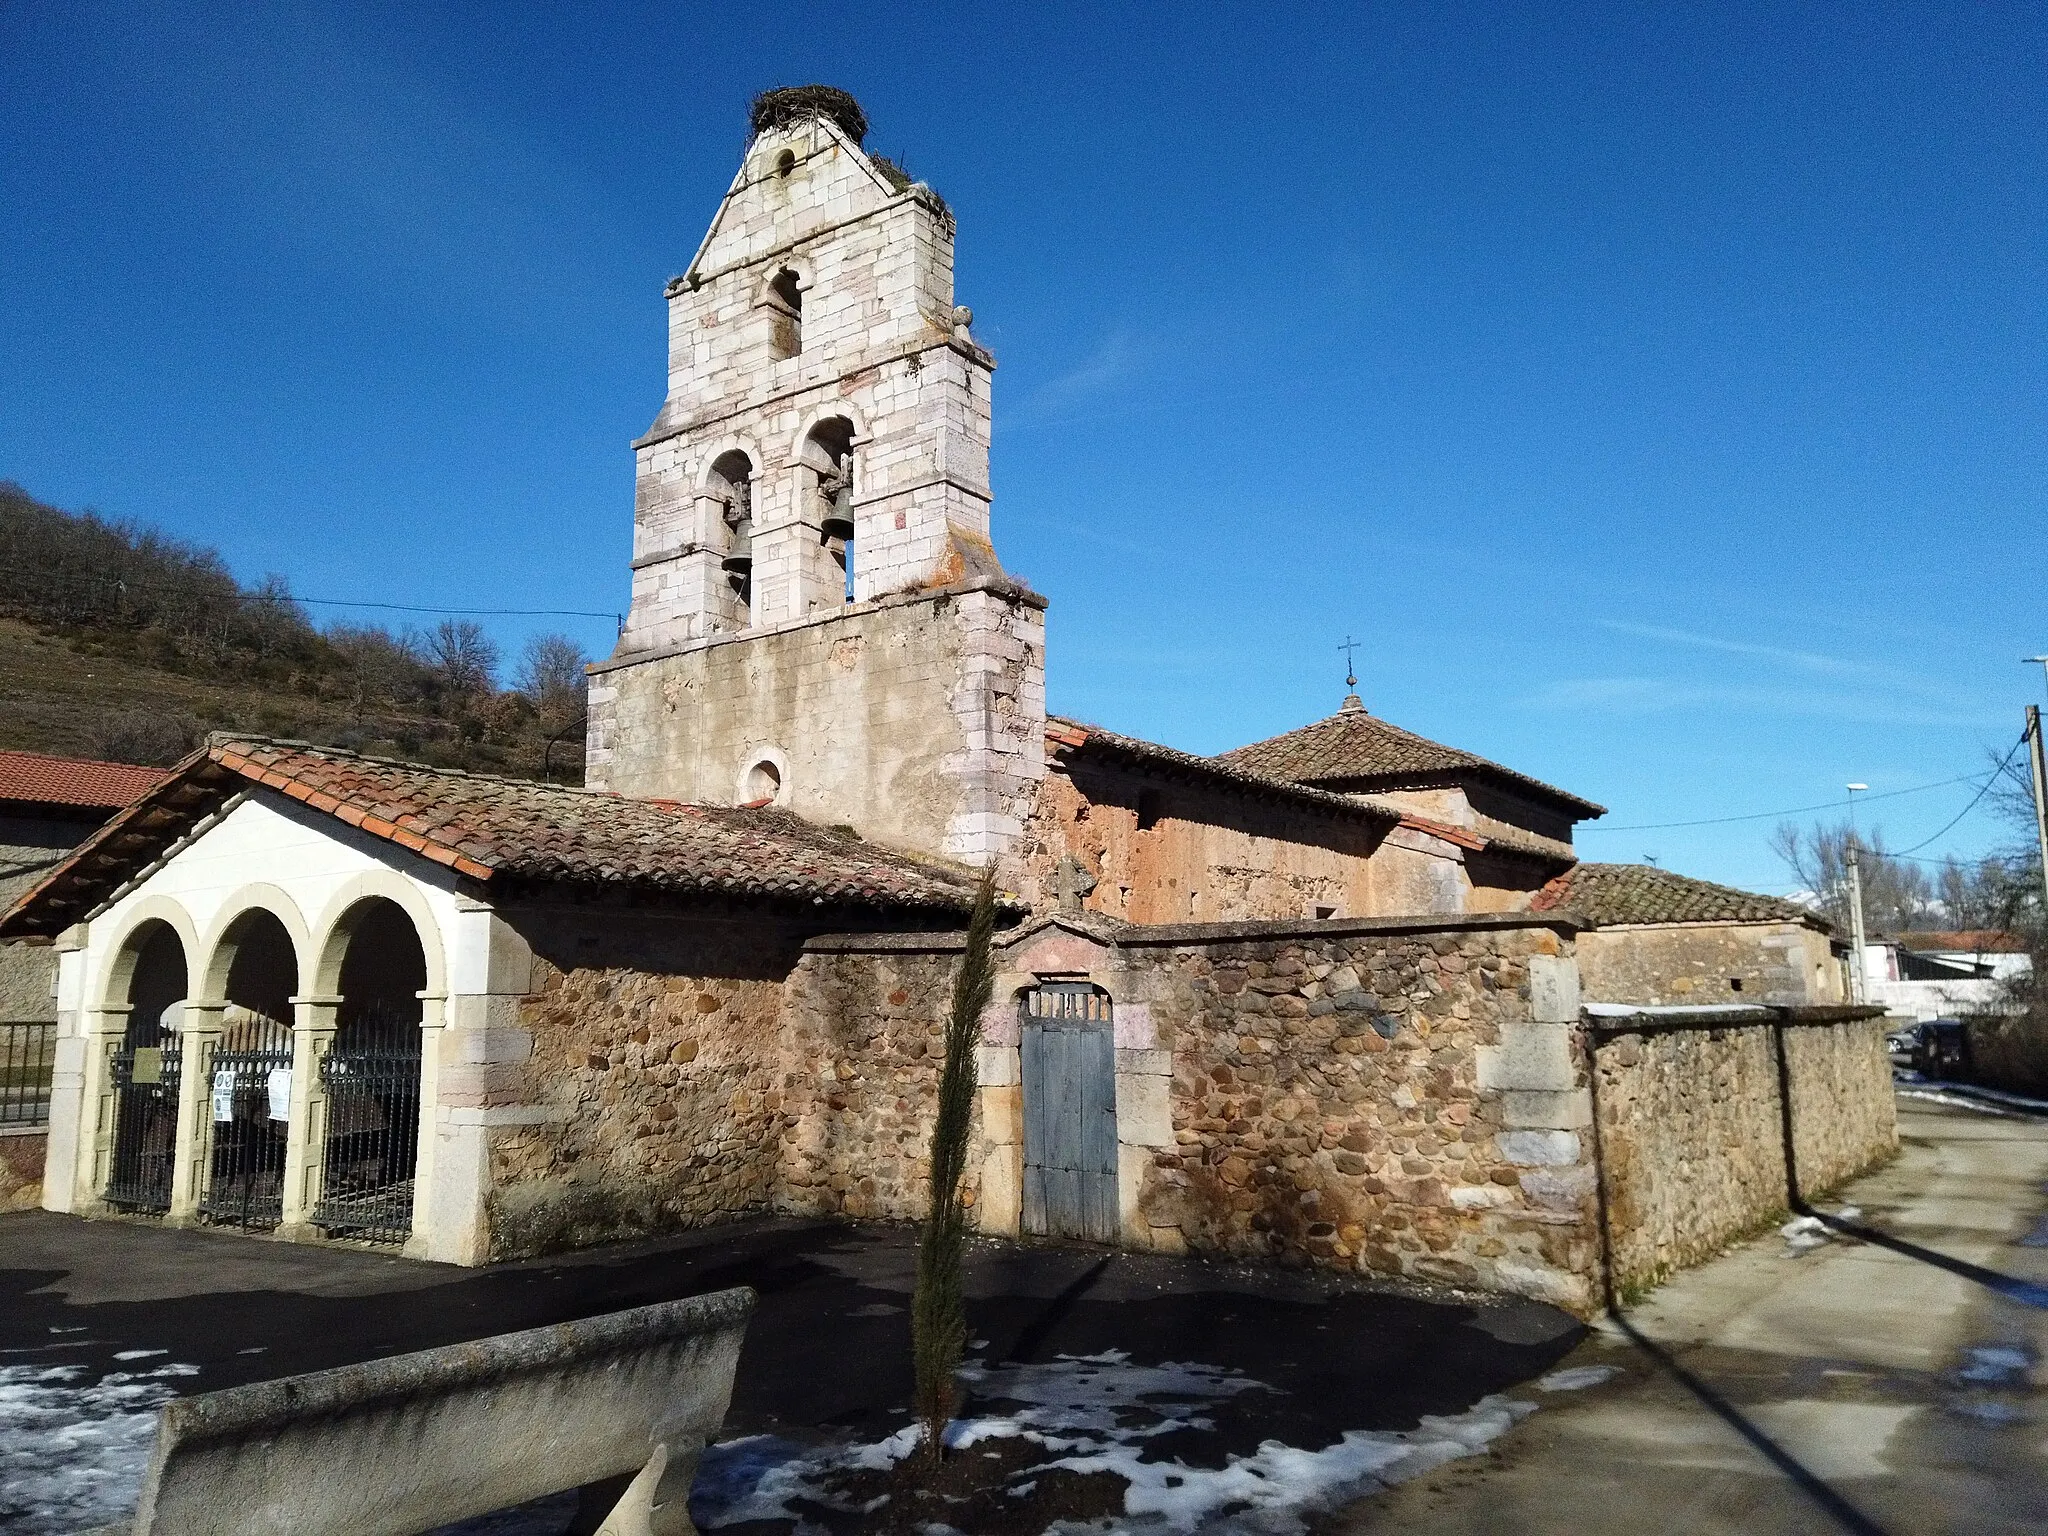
{"x":239,"y":596}
{"x":1797,"y":810}
{"x":1989,"y":779}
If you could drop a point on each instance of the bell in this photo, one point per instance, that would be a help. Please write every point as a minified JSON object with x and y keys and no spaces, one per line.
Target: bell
{"x":838,"y":523}
{"x":739,"y":554}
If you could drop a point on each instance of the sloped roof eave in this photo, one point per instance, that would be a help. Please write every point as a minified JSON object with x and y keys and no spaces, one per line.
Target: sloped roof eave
{"x":511,"y":833}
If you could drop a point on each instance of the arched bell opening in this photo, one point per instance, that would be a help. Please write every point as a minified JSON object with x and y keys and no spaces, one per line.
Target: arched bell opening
{"x":828,"y":456}
{"x":370,"y":1079}
{"x":144,"y":1071}
{"x":784,"y":301}
{"x":249,"y":1074}
{"x":731,"y":480}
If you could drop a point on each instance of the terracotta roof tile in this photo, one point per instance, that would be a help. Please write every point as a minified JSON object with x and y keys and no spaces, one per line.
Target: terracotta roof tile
{"x":44,"y":780}
{"x":1065,"y":735}
{"x":502,"y":831}
{"x":1607,"y":894}
{"x":1353,"y":746}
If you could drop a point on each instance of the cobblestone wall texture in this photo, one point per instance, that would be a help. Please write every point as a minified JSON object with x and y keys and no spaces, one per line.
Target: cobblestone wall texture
{"x":865,"y":1040}
{"x":1327,"y":1108}
{"x":654,"y":1061}
{"x":1692,"y":1133}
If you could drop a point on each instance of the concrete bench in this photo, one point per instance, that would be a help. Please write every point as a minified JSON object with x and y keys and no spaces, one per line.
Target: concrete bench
{"x":396,"y":1447}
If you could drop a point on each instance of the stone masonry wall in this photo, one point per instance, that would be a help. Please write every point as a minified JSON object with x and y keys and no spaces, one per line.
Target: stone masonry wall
{"x":653,"y":1080}
{"x":918,"y":722}
{"x":1690,"y":964}
{"x":1335,"y":1100}
{"x":1692,"y":1130}
{"x":860,"y":1082}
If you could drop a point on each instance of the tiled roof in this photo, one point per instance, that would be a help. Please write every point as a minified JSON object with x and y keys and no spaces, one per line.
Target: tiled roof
{"x":1969,"y":941}
{"x":1606,"y":894}
{"x":1357,"y":747}
{"x":501,"y":832}
{"x":1065,"y":735}
{"x":79,"y":781}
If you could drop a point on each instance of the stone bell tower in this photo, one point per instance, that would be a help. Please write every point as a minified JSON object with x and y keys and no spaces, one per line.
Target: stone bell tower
{"x":827,"y":407}
{"x":818,"y":616}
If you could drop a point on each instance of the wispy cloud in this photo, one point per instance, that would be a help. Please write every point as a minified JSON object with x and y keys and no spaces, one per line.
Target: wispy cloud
{"x":1813,"y":663}
{"x":1064,"y":394}
{"x":1623,"y":696}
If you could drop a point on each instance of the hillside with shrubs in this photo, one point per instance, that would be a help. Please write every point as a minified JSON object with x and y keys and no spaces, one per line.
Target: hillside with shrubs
{"x":118,"y":641}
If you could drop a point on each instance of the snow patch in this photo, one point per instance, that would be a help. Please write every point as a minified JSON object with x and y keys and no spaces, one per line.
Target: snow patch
{"x":1578,"y":1377}
{"x":73,"y":1451}
{"x":1103,"y":1412}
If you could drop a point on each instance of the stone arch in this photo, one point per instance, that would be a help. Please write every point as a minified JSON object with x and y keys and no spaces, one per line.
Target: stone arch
{"x":119,"y":973}
{"x":781,"y":293}
{"x":344,"y":914}
{"x":233,"y":926}
{"x":763,"y":764}
{"x":818,"y":416}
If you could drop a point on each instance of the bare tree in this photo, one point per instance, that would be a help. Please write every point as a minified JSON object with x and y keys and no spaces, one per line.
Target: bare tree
{"x":463,"y":659}
{"x":1897,"y":895}
{"x":552,"y":680}
{"x":382,"y":668}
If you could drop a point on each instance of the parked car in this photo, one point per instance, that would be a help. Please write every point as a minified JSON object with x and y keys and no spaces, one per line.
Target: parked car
{"x":1942,"y":1048}
{"x":1900,"y":1044}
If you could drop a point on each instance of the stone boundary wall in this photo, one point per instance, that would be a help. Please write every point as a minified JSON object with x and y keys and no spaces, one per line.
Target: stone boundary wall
{"x":864,"y":1038}
{"x":1357,"y":1099}
{"x":644,"y":1074}
{"x":1692,"y":1126}
{"x":22,"y":1154}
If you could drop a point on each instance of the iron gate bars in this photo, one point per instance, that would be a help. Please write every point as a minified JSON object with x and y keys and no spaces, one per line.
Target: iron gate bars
{"x":28,"y":1058}
{"x":247,"y":1073}
{"x":145,"y":1071}
{"x":371,"y":1075}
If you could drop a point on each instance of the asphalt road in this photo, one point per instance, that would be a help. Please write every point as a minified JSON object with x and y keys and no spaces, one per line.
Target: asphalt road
{"x":1893,"y":1384}
{"x":828,"y":1352}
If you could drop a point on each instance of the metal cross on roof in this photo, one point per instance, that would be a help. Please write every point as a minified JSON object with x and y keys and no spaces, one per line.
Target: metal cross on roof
{"x":1350,"y":663}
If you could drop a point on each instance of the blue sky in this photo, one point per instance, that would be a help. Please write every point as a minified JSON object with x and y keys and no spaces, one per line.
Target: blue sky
{"x":1658,"y":394}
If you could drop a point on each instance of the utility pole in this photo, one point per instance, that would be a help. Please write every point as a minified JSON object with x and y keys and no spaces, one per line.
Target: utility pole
{"x":2034,"y":751}
{"x":1857,"y":975}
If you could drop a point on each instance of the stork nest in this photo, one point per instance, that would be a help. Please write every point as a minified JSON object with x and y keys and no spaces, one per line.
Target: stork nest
{"x":788,"y":104}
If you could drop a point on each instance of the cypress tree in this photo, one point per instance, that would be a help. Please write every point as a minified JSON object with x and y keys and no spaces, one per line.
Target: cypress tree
{"x":938,"y":1318}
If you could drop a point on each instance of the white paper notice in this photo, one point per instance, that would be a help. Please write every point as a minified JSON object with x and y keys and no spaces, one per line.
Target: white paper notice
{"x":224,"y":1094}
{"x":280,"y":1093}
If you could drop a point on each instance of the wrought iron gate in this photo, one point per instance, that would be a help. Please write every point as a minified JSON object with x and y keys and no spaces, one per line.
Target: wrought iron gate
{"x":371,"y":1076}
{"x":248,"y":1077}
{"x":144,"y":1070}
{"x":1069,"y":1062}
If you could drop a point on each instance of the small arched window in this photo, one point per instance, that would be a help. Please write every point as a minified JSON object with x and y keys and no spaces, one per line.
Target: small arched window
{"x":764,"y":783}
{"x":786,"y":304}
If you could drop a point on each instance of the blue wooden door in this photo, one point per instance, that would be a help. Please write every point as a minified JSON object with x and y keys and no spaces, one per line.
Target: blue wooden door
{"x":1069,"y":1062}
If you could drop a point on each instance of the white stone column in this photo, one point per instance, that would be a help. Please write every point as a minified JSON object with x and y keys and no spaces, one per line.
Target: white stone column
{"x":198,"y":1034}
{"x":106,"y":1028}
{"x":70,"y":1131}
{"x":315,"y":1020}
{"x":478,"y":1083}
{"x":433,"y":1037}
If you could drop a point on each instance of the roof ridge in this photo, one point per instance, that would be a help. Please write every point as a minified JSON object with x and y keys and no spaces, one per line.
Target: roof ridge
{"x":221,"y":738}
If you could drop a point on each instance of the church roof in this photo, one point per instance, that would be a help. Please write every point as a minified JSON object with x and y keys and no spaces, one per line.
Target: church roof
{"x":500,"y":832}
{"x":1611,"y":894}
{"x":36,"y":779}
{"x":1353,"y":746}
{"x":1065,"y":735}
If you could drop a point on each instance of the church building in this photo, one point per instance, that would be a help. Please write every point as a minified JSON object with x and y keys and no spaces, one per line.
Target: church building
{"x":1299,"y":999}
